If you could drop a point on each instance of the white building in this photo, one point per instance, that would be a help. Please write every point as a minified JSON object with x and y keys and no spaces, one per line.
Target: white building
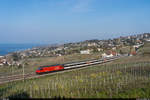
{"x":137,"y":46}
{"x":91,"y":44}
{"x":104,"y":55}
{"x":58,"y":49}
{"x":59,"y":55}
{"x":1,"y":56}
{"x":99,"y":49}
{"x":148,"y":40}
{"x":114,"y":48}
{"x":85,"y":52}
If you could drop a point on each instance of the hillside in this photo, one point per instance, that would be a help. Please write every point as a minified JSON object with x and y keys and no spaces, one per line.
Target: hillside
{"x":124,"y":78}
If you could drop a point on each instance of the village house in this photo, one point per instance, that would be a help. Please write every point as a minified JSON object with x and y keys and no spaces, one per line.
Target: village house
{"x":60,"y":48}
{"x":99,"y":49}
{"x":109,"y":54}
{"x":148,"y":40}
{"x":92,"y":44}
{"x":114,"y":48}
{"x":1,"y":56}
{"x":3,"y":62}
{"x":104,"y":55}
{"x":85,"y":51}
{"x":137,"y":46}
{"x":58,"y":54}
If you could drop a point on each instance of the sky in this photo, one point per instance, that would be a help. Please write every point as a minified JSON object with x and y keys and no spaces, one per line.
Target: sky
{"x":63,"y":21}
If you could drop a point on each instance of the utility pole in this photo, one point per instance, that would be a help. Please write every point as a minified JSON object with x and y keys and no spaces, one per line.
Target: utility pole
{"x":12,"y":70}
{"x":23,"y":69}
{"x":23,"y":72}
{"x":63,"y":59}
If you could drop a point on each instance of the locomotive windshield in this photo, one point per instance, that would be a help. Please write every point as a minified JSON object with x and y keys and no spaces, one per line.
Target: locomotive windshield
{"x":40,"y":68}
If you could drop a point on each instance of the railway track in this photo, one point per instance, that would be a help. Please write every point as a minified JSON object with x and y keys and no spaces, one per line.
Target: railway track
{"x":67,"y":67}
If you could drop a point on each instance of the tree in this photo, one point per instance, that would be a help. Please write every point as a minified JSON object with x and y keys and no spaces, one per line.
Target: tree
{"x":20,"y":66}
{"x":95,"y":49}
{"x":120,"y":52}
{"x":15,"y":56}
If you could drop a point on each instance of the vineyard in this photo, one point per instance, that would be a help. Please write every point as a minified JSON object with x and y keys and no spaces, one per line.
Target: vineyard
{"x":124,"y":78}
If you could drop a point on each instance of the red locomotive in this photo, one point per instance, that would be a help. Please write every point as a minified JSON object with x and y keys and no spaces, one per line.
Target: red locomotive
{"x":49,"y":68}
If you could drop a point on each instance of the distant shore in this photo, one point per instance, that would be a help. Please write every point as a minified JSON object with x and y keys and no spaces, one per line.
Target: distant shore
{"x":9,"y":48}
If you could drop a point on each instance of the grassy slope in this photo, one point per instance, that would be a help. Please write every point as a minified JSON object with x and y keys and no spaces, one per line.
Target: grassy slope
{"x":126,"y":78}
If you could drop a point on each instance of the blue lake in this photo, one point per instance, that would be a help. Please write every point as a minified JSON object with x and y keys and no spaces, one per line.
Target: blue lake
{"x":8,"y":48}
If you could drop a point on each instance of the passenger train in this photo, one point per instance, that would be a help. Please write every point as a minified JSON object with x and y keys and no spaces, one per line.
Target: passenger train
{"x":59,"y":67}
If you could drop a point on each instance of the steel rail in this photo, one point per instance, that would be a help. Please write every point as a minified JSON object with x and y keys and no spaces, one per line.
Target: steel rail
{"x":69,"y":68}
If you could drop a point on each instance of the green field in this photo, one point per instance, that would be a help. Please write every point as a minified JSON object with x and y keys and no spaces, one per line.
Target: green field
{"x":127,"y":77}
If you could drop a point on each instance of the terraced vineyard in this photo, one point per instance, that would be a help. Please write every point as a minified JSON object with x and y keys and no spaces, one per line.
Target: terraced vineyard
{"x":124,"y":78}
